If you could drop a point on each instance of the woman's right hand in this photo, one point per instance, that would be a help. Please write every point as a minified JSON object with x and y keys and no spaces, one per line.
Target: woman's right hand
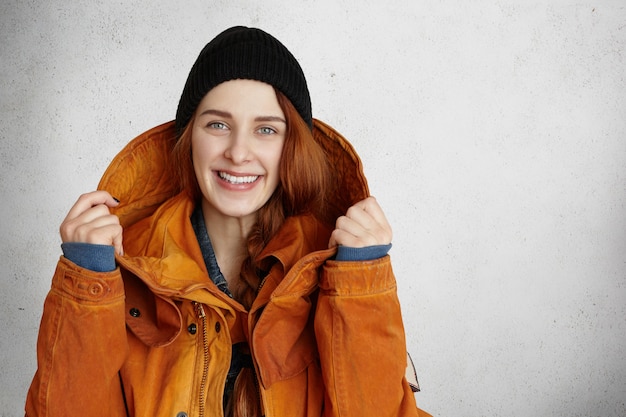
{"x":90,"y":221}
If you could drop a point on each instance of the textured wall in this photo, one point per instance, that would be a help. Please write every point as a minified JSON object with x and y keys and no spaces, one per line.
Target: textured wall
{"x":493,"y":132}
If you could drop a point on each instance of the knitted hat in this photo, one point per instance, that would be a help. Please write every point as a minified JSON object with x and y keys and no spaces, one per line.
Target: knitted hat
{"x":244,"y":53}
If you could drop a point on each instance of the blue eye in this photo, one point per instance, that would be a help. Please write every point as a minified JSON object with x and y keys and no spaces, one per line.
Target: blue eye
{"x":217,"y":125}
{"x":267,"y":131}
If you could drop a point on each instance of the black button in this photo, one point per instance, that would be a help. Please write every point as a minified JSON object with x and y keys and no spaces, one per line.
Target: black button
{"x":134,"y":312}
{"x":192,"y":328}
{"x":218,"y":327}
{"x":181,"y":414}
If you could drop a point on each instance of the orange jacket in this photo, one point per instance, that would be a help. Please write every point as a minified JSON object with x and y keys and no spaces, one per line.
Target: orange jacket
{"x":326,"y":337}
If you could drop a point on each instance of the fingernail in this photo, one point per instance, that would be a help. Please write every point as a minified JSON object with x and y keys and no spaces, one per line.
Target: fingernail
{"x":116,"y":200}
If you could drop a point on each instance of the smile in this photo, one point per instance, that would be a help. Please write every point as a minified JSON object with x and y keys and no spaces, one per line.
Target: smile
{"x":237,"y":180}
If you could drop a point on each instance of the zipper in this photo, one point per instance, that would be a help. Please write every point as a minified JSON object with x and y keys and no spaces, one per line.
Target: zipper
{"x":205,"y":370}
{"x":257,"y":385}
{"x":261,"y":284}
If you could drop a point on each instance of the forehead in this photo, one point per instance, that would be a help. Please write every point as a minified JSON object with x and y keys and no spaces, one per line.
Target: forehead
{"x":241,"y":92}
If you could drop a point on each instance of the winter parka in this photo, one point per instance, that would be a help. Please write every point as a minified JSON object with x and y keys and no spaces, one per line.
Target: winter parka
{"x":154,"y":337}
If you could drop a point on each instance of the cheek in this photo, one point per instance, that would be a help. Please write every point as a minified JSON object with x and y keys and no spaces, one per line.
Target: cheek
{"x":200,"y":160}
{"x":273,"y":158}
{"x":201,"y":152}
{"x":195,"y":162}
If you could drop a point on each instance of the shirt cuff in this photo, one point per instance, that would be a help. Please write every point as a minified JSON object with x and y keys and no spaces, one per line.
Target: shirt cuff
{"x":368,"y":253}
{"x":97,"y":258}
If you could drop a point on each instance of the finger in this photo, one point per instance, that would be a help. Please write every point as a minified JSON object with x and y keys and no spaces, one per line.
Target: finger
{"x":69,"y":227}
{"x":370,"y":206}
{"x":118,"y":243}
{"x":336,"y":238}
{"x":362,"y":223}
{"x":344,"y":238}
{"x":358,"y":218}
{"x":351,"y":233}
{"x":332,"y":242}
{"x":103,"y":231}
{"x":89,"y":200}
{"x":109,"y":235}
{"x":340,"y":237}
{"x":92,"y":213}
{"x":353,"y":226}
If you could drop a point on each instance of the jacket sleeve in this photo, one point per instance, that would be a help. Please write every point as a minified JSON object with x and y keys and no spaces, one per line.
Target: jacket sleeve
{"x":361,"y":341}
{"x":81,"y":345}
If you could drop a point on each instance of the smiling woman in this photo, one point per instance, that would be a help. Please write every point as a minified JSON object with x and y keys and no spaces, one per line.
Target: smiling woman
{"x":248,"y":283}
{"x":237,"y":150}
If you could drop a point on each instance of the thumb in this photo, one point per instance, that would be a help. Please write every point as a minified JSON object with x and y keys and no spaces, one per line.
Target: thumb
{"x":117,"y":244}
{"x":117,"y":240}
{"x":111,"y":201}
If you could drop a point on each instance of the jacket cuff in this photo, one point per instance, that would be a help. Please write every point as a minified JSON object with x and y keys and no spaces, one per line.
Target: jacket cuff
{"x":357,"y":278}
{"x":83,"y":285}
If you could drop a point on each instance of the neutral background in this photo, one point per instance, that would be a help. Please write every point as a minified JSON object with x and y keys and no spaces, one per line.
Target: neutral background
{"x":492,"y":132}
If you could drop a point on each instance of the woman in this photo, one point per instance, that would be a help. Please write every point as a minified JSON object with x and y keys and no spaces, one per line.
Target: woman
{"x":243,"y":269}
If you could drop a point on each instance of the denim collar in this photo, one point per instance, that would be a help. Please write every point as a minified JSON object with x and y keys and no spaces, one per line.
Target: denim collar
{"x":199,"y":227}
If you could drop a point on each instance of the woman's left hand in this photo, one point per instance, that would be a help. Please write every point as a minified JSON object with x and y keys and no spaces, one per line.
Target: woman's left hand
{"x":363,"y":225}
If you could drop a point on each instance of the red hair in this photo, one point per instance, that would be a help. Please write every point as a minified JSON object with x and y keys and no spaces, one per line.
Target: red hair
{"x":183,"y":163}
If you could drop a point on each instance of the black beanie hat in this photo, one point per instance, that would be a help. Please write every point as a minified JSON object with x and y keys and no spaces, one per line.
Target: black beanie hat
{"x":244,"y":53}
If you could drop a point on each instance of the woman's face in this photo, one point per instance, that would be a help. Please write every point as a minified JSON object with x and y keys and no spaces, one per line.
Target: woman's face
{"x":237,"y":140}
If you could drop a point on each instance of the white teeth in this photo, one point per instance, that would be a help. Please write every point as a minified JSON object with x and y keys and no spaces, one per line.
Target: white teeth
{"x":238,"y":180}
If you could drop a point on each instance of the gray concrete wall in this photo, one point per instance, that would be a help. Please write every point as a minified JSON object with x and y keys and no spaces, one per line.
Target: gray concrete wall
{"x":492,"y":132}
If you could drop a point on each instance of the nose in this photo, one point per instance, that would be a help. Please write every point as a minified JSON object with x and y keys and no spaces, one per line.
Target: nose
{"x":238,"y":149}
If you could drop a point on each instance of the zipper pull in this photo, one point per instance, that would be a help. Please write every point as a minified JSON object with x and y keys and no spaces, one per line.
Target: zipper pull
{"x":199,"y":309}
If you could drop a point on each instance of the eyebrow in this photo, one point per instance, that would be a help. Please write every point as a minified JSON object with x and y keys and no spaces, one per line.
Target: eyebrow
{"x":227,"y":115}
{"x":270,"y":119}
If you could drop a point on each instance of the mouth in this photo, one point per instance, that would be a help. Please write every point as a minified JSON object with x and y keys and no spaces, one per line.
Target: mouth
{"x":232,"y":179}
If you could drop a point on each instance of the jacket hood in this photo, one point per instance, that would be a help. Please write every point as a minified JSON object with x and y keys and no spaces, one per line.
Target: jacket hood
{"x":142,"y":178}
{"x":162,"y":262}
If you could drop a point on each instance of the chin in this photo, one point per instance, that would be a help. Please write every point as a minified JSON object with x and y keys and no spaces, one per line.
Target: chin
{"x":239,"y":212}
